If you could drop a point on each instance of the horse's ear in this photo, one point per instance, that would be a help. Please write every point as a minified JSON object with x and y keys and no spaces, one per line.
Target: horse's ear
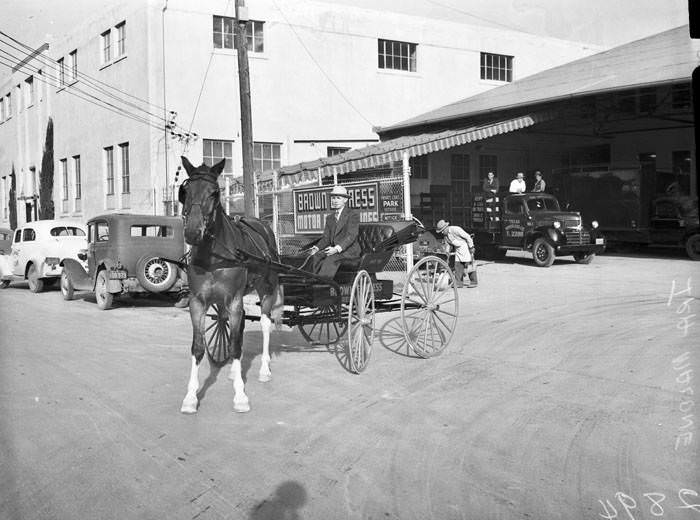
{"x":218,"y":167}
{"x":187,"y":164}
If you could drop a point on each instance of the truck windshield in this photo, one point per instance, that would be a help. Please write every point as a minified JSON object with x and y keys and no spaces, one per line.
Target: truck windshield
{"x":542,"y":203}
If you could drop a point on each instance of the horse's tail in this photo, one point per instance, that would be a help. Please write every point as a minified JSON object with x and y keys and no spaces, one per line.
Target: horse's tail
{"x":278,"y":306}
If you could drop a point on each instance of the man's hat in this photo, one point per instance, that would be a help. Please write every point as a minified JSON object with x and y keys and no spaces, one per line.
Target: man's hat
{"x":340,"y":191}
{"x":442,"y":226}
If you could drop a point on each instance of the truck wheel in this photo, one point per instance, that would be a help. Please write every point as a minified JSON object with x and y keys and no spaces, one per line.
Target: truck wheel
{"x":4,"y":284}
{"x":584,"y":258}
{"x":692,"y":246}
{"x":542,"y":253}
{"x":36,"y":284}
{"x":491,"y":253}
{"x":67,"y":289}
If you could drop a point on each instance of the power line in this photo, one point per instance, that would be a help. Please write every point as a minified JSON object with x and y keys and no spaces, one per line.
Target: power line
{"x":107,"y":106}
{"x":472,"y":15}
{"x":330,"y":80}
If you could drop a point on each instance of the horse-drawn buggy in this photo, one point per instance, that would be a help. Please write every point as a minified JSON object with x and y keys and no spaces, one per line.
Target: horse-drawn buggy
{"x":230,"y":257}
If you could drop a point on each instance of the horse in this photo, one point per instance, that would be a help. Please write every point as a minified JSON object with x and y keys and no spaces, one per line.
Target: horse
{"x":219,"y":273}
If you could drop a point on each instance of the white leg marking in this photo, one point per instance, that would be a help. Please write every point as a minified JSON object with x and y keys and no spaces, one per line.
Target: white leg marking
{"x":240,"y":400}
{"x":189,"y":403}
{"x":265,"y":373}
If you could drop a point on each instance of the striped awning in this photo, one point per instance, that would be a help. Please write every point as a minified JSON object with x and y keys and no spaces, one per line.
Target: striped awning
{"x":383,"y":153}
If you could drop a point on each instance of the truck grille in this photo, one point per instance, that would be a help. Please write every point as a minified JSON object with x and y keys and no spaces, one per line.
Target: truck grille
{"x":577,"y":238}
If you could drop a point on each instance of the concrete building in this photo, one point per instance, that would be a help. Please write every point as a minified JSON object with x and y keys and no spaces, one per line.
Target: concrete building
{"x":133,"y":88}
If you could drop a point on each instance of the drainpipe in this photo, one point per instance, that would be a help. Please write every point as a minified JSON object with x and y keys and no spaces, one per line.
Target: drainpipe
{"x":165,"y":108}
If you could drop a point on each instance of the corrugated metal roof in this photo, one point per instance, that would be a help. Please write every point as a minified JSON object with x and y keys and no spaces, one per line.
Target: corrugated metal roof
{"x":666,"y":57}
{"x":393,"y":149}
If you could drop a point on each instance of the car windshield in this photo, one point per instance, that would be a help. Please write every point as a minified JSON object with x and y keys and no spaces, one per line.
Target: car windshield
{"x":542,"y":203}
{"x":67,"y":231}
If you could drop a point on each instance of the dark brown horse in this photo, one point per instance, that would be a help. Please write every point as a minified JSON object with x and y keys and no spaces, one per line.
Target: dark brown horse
{"x":221,"y":273}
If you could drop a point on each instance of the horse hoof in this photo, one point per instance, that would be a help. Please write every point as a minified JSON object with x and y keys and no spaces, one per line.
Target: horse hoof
{"x":241,"y":407}
{"x":188,"y":409}
{"x":264,"y":378}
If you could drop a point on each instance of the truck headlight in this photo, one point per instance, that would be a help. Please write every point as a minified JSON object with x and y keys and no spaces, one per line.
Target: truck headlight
{"x":556,"y":224}
{"x":594,"y":224}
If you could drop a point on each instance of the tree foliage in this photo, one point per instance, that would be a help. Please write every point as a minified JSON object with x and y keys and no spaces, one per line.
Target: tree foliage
{"x":46,"y":204}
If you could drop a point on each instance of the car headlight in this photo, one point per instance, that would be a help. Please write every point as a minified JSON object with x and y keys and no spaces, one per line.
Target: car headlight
{"x":594,"y":224}
{"x":556,"y":224}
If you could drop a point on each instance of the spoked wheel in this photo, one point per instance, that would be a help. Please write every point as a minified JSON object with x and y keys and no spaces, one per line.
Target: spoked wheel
{"x":218,"y":334}
{"x":360,"y":322}
{"x":429,"y":306}
{"x":325,"y":330}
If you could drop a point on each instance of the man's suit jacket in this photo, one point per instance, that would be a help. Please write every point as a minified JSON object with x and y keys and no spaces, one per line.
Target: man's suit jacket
{"x":342,"y":233}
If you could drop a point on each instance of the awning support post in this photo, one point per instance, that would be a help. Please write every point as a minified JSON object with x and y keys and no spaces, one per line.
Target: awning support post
{"x":406,"y":169}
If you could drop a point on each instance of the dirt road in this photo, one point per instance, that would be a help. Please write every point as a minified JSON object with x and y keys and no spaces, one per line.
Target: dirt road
{"x":559,"y":398}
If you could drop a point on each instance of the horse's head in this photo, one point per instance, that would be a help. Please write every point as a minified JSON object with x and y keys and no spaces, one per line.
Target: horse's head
{"x":199,"y":195}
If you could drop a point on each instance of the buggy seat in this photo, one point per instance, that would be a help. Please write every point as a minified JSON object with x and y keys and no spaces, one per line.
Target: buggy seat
{"x":378,"y":240}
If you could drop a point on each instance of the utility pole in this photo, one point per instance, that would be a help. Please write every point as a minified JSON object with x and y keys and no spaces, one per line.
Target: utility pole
{"x":246,"y":116}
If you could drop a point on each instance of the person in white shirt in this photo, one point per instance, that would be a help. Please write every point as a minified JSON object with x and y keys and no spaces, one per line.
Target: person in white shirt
{"x":517,"y":185}
{"x":463,"y":245}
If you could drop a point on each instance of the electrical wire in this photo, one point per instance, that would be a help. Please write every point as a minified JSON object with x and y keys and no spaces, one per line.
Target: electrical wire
{"x":330,"y":80}
{"x":481,"y":18}
{"x":107,"y":106}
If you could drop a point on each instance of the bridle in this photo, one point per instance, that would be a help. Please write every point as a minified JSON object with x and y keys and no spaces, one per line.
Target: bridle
{"x":182,"y":197}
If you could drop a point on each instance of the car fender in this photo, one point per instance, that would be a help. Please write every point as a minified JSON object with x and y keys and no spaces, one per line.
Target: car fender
{"x":78,"y":275}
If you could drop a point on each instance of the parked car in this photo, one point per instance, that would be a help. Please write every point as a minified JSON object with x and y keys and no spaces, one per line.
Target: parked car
{"x":126,"y":253}
{"x":5,"y":240}
{"x":38,"y":249}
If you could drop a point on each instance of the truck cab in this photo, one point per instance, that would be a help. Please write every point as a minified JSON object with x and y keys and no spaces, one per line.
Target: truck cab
{"x":674,"y":222}
{"x":532,"y":222}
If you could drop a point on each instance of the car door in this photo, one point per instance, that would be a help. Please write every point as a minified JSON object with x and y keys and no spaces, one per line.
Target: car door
{"x":98,"y":244}
{"x":15,"y":249}
{"x":515,"y":221}
{"x":666,"y":223}
{"x":25,"y":250}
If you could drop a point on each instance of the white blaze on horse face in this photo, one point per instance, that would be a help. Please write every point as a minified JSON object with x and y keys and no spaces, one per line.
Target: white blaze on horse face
{"x":265,"y":374}
{"x":189,"y":403}
{"x":240,"y":400}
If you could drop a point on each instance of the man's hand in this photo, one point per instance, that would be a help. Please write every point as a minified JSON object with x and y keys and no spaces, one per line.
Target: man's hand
{"x":313,"y":250}
{"x":331,"y":250}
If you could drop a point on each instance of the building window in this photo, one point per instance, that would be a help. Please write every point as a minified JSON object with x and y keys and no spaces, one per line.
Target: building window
{"x":121,"y":39}
{"x":213,"y":151}
{"x":397,"y":55}
{"x":680,"y":96}
{"x":2,"y":110}
{"x":419,"y":167}
{"x":109,"y":169}
{"x":224,"y":34}
{"x":647,"y":100}
{"x":106,"y":47}
{"x":76,"y":169}
{"x":488,"y":163}
{"x":8,"y":105}
{"x":124,"y":148}
{"x":61,"y":72}
{"x":30,"y":91}
{"x":64,"y":179}
{"x":73,"y":62}
{"x":254,"y":36}
{"x":496,"y":67}
{"x":335,"y":150}
{"x":266,"y":156}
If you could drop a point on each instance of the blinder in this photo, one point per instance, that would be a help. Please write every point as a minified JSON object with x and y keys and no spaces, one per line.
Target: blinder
{"x":182,"y":192}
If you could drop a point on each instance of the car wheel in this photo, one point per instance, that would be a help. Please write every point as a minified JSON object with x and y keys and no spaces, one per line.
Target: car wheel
{"x":67,"y":289}
{"x":692,"y":246}
{"x":155,"y":274}
{"x":102,"y":295}
{"x":542,"y":253}
{"x":584,"y":258}
{"x":36,"y":284}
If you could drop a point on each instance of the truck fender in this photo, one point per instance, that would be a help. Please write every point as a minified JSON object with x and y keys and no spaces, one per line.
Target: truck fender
{"x":79,"y":276}
{"x":549,"y":234}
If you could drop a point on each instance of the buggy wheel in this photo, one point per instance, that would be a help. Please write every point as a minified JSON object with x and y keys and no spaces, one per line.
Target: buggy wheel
{"x":102,"y":295}
{"x":67,"y":288}
{"x":325,"y":331}
{"x":218,"y":335}
{"x":429,"y":306}
{"x":360,"y":322}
